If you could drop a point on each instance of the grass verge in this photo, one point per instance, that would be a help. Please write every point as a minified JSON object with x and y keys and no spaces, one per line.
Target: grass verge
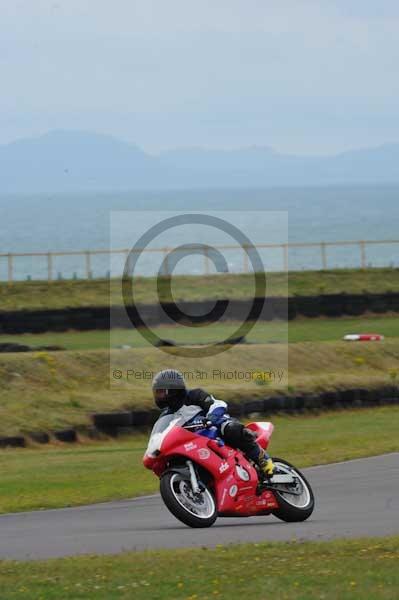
{"x":300,"y":330}
{"x":32,"y":295}
{"x":342,"y":569}
{"x":49,"y":391}
{"x":94,"y":472}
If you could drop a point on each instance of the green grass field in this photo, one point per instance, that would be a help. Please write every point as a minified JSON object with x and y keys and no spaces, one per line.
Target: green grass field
{"x":48,"y":391}
{"x":300,"y":330}
{"x":336,"y":570}
{"x":100,"y":292}
{"x":59,"y":476}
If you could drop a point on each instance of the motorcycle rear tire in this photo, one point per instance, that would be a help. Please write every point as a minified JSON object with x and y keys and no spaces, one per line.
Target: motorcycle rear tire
{"x":286,"y":511}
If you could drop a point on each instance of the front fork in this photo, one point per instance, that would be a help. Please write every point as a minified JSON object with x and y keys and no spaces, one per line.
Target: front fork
{"x":193,"y":477}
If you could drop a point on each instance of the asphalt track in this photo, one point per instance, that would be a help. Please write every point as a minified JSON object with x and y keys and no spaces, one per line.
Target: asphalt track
{"x":354,"y":499}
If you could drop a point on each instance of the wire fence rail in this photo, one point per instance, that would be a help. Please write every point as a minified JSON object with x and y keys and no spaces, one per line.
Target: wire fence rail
{"x":86,"y":256}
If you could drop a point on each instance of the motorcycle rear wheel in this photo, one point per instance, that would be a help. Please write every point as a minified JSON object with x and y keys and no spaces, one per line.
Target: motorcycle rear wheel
{"x":194,"y":510}
{"x":293,"y":508}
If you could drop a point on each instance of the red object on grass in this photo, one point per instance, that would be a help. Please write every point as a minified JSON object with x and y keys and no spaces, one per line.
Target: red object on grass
{"x":364,"y":337}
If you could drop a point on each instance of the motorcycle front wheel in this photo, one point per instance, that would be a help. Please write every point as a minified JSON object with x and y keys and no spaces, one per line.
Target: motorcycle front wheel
{"x":194,"y":510}
{"x":296,"y":502}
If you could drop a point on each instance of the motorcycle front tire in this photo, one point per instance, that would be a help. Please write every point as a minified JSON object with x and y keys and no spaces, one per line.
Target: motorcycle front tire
{"x":178,"y":509}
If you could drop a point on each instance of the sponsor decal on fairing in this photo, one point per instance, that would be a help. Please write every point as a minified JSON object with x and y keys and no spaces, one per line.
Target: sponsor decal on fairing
{"x":242,"y":473}
{"x":190,"y":446}
{"x":204,"y":453}
{"x":233,"y":491}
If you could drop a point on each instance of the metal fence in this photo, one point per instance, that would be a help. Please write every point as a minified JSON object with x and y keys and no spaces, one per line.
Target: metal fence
{"x":83,"y":259}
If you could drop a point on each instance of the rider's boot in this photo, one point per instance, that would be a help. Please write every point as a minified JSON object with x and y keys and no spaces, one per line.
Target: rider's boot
{"x":265,"y":464}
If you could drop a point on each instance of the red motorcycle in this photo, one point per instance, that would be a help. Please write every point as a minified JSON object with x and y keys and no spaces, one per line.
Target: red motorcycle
{"x":201,"y":478}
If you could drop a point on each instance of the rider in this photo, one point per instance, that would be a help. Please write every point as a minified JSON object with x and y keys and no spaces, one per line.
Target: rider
{"x":171,"y":395}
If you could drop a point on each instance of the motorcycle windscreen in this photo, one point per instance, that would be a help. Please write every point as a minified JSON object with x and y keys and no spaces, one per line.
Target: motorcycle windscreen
{"x":166,"y":422}
{"x":160,"y":430}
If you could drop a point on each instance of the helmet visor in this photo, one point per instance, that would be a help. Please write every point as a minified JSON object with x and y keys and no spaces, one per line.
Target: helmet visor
{"x":160,"y":395}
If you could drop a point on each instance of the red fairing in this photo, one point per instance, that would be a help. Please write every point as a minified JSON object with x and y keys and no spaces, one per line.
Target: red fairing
{"x":157,"y":465}
{"x":234,"y":480}
{"x":148,"y":461}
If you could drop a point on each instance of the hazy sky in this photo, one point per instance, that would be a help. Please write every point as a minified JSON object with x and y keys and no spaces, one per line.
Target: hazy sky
{"x":303,"y":76}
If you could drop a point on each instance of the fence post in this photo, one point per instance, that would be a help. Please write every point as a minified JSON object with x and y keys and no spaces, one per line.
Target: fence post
{"x":10,"y":267}
{"x":166,"y":261}
{"x":363,"y":253}
{"x":206,"y":261}
{"x":285,"y":257}
{"x":88,"y":264}
{"x":323,"y":255}
{"x":126,"y":266}
{"x":245,"y":257}
{"x":49,"y":266}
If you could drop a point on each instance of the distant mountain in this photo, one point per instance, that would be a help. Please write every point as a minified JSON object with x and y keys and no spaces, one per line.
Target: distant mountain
{"x":77,"y":161}
{"x":62,"y":160}
{"x":199,"y":159}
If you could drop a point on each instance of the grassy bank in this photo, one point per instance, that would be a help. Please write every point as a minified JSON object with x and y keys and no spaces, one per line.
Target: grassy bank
{"x":99,"y":292}
{"x":61,"y":476}
{"x":48,"y":391}
{"x":300,"y":330}
{"x":344,"y":569}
